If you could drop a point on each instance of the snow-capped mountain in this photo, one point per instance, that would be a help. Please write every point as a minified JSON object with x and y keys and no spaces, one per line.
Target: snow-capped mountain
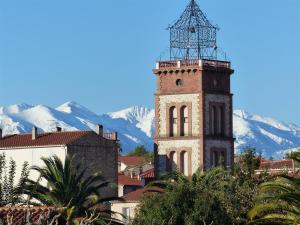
{"x":135,"y":125}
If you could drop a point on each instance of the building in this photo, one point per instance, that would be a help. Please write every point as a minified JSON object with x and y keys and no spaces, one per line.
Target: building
{"x":275,"y":167}
{"x":127,"y":207}
{"x":96,"y":150}
{"x":134,"y":173}
{"x":126,"y":162}
{"x":127,"y":184}
{"x":193,"y":100}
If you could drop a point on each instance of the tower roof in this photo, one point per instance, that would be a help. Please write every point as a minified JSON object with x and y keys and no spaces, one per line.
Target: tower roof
{"x":192,"y":36}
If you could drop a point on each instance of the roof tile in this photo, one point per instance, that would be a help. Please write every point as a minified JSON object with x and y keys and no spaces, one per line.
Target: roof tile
{"x":43,"y":139}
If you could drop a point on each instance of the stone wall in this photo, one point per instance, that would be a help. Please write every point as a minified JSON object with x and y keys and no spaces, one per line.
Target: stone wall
{"x":165,"y":100}
{"x":221,"y":144}
{"x":214,"y":98}
{"x":172,"y":145}
{"x":100,"y":156}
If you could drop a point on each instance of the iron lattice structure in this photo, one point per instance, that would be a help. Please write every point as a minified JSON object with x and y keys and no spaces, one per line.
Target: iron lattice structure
{"x":193,"y":36}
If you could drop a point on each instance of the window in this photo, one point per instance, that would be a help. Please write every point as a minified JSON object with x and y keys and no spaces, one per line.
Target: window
{"x":184,"y":126}
{"x":178,"y":82}
{"x":217,"y":120}
{"x":173,"y":121}
{"x":172,"y":161}
{"x":218,"y":158}
{"x":184,"y":163}
{"x":126,"y":213}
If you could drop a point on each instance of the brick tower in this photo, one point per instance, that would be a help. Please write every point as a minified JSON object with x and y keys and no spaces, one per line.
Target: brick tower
{"x":193,"y":102}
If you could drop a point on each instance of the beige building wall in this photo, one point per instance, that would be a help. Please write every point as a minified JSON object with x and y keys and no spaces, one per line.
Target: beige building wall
{"x":168,"y":145}
{"x":120,"y":207}
{"x":165,"y":100}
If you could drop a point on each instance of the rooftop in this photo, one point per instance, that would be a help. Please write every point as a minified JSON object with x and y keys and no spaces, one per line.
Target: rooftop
{"x":136,"y":196}
{"x":18,"y":214}
{"x":43,"y":139}
{"x":127,"y":180}
{"x":276,"y":164}
{"x":148,"y":174}
{"x":132,"y":160}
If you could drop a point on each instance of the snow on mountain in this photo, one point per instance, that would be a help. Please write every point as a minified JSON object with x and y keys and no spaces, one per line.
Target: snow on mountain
{"x":135,"y":126}
{"x":266,"y":134}
{"x":141,"y":117}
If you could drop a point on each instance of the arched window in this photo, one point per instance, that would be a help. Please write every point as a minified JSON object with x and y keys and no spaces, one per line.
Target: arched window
{"x":219,"y":121}
{"x":173,"y":121}
{"x":222,"y":121}
{"x":218,"y":158}
{"x":184,"y":163}
{"x":172,"y":161}
{"x":184,"y":119}
{"x":215,"y":120}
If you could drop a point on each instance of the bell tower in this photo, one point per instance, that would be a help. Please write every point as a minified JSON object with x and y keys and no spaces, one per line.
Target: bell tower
{"x":193,"y":101}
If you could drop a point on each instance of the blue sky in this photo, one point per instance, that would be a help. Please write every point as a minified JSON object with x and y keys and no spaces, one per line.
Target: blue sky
{"x":101,"y":53}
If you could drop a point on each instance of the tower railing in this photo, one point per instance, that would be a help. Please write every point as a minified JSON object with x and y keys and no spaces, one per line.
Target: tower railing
{"x":193,"y":62}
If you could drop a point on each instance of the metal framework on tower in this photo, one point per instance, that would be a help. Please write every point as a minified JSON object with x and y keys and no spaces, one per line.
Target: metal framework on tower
{"x":193,"y":36}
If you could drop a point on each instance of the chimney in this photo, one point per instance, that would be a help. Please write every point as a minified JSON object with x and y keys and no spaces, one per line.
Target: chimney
{"x":34,"y":133}
{"x":58,"y":129}
{"x":99,"y":130}
{"x":0,"y":133}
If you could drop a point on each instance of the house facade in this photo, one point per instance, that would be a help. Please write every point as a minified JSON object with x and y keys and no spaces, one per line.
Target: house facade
{"x":95,"y":150}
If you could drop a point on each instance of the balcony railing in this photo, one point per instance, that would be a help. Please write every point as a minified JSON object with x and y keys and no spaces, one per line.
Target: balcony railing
{"x":192,"y":62}
{"x":110,"y":136}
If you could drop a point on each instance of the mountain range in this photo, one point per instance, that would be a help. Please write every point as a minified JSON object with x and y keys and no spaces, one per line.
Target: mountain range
{"x":135,"y":126}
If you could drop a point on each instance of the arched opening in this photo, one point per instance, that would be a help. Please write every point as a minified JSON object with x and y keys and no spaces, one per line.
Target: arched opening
{"x":172,"y":161}
{"x":184,"y":163}
{"x":222,"y":121}
{"x":173,"y":121}
{"x":214,"y":120}
{"x":218,"y":158}
{"x":184,"y":118}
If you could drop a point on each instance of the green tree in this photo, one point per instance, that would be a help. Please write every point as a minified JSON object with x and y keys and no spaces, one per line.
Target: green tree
{"x":141,"y":151}
{"x":211,"y":197}
{"x":279,"y":200}
{"x":68,"y":186}
{"x":8,"y":185}
{"x":249,"y":161}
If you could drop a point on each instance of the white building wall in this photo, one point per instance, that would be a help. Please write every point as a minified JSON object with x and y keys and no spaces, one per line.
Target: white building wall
{"x":164,"y":146}
{"x":33,"y":157}
{"x":178,"y":98}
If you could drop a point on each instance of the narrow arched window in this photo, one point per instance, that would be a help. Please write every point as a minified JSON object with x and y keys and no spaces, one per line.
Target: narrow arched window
{"x":219,"y":120}
{"x":215,"y":120}
{"x":222,"y":121}
{"x":172,"y":161}
{"x":173,"y":121}
{"x":184,"y":163}
{"x":184,"y":120}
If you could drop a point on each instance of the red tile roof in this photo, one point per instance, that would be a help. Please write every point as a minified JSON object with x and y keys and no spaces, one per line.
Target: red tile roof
{"x":135,"y":196}
{"x":43,"y":139}
{"x":126,"y":180}
{"x":148,"y":174}
{"x":18,"y":214}
{"x":131,"y":160}
{"x":276,"y":164}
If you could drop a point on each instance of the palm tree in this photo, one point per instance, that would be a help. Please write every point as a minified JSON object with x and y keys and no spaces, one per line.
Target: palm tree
{"x":67,"y":186}
{"x":278,"y":200}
